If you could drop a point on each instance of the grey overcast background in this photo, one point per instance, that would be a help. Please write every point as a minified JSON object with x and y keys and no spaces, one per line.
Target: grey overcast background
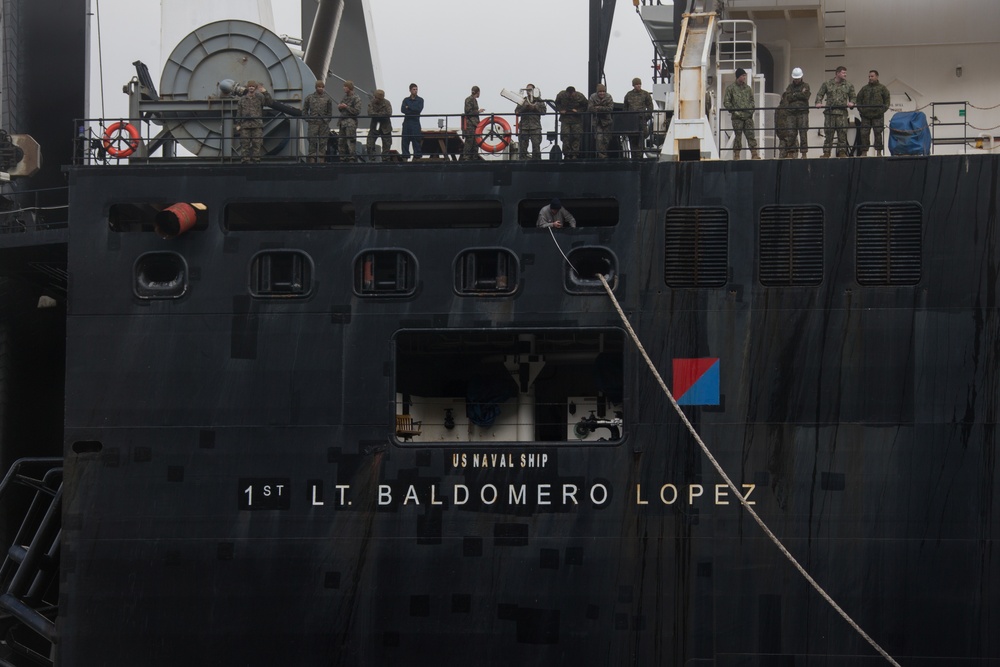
{"x":445,"y":46}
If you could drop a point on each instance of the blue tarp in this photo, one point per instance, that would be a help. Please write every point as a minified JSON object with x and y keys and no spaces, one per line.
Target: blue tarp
{"x":909,"y":134}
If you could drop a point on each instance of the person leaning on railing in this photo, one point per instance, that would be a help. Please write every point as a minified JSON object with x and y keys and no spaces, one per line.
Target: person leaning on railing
{"x":380,"y":110}
{"x":601,"y":105}
{"x":569,"y":105}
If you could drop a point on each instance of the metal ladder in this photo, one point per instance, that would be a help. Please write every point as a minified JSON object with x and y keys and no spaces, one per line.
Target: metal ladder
{"x":29,"y":574}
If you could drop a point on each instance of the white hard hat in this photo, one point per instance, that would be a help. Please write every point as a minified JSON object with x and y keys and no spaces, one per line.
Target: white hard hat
{"x":797,"y":73}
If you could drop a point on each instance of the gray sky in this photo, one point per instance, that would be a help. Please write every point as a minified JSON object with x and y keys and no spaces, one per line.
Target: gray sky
{"x":445,"y":46}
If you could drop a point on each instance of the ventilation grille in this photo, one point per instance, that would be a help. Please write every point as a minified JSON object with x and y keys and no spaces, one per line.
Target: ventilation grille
{"x":889,"y":244}
{"x":791,"y":245}
{"x":697,"y":247}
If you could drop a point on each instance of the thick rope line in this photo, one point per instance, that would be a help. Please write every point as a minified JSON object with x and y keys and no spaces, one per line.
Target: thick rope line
{"x":732,"y":486}
{"x":722,"y":473}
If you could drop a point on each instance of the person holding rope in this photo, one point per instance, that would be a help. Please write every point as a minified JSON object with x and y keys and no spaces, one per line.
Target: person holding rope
{"x":554,"y":215}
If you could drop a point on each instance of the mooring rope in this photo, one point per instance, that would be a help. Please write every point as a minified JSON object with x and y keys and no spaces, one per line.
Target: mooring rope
{"x":722,"y":473}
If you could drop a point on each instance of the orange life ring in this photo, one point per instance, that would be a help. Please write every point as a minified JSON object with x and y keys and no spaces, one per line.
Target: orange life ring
{"x":121,"y":139}
{"x":503,"y":136}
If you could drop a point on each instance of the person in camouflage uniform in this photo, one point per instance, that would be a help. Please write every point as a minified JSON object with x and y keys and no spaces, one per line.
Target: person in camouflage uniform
{"x":317,"y":109}
{"x":250,"y":121}
{"x":640,"y":103}
{"x":569,"y":105}
{"x":529,"y":131}
{"x":798,"y":110}
{"x":839,"y":96}
{"x":873,"y":102}
{"x":600,"y":106}
{"x":349,"y":107}
{"x":738,"y":101}
{"x":784,"y":129}
{"x":470,"y":120}
{"x":380,"y":111}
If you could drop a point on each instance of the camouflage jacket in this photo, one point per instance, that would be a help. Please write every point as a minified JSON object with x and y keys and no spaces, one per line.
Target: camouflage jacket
{"x":317,"y":106}
{"x":353,"y":107}
{"x":783,"y":116}
{"x":471,"y":111}
{"x":638,"y":100}
{"x":531,"y":113}
{"x":569,"y":105}
{"x":602,"y":108}
{"x":837,"y":95}
{"x":873,"y":100}
{"x":738,"y":100}
{"x":798,"y":97}
{"x":250,"y":109}
{"x":379,"y":108}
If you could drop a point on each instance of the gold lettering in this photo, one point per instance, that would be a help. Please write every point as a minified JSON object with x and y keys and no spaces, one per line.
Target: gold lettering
{"x":638,"y":496}
{"x":664,"y":498}
{"x":692,"y":494}
{"x":721,"y":490}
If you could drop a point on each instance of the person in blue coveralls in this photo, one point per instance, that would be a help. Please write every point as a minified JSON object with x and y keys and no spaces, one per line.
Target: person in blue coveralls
{"x":411,"y":108}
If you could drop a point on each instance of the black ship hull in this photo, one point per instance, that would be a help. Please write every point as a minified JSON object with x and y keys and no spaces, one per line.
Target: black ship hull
{"x":237,"y":491}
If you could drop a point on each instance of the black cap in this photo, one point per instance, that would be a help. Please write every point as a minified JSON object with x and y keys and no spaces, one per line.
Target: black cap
{"x":740,"y":72}
{"x":555,"y":205}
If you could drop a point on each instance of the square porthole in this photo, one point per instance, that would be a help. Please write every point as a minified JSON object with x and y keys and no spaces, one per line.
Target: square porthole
{"x":389,"y":272}
{"x":486,"y":272}
{"x":281,"y":274}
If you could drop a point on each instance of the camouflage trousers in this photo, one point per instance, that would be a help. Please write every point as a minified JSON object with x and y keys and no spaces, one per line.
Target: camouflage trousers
{"x":530,"y":136}
{"x":836,"y":123}
{"x":743,"y":126}
{"x":380,"y":129}
{"x":786,"y":142}
{"x":602,"y":137}
{"x":251,"y":141}
{"x":799,"y":123}
{"x":876,"y":125}
{"x":347,"y":145}
{"x":469,"y":148}
{"x":317,"y":135}
{"x":572,"y":132}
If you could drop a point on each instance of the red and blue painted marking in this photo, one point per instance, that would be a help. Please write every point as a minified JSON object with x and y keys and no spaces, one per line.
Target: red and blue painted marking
{"x":696,"y":381}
